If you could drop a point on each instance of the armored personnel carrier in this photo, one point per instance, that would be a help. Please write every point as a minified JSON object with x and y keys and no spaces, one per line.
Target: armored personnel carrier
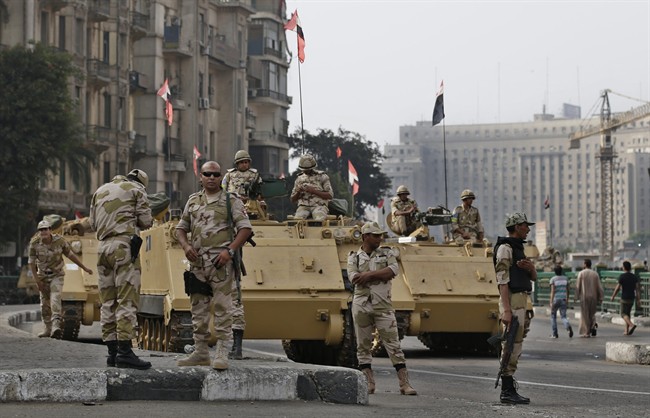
{"x":296,"y":289}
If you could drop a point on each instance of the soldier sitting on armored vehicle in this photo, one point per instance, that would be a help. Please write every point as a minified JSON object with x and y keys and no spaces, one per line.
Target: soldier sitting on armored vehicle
{"x":404,"y":212}
{"x":466,"y":220}
{"x":549,"y":259}
{"x":312,"y":191}
{"x":247,"y":183}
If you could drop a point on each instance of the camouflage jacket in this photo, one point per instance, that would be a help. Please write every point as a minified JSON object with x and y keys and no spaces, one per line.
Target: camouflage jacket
{"x":317,"y":179}
{"x":241,"y":182}
{"x":379,"y":293}
{"x":207,"y":221}
{"x":118,"y":208}
{"x":396,"y":204}
{"x":48,"y":257}
{"x":469,"y":220}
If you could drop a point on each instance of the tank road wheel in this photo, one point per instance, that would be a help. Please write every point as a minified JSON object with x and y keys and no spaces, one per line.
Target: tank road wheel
{"x":180,"y":331}
{"x":157,"y":334}
{"x":145,"y":335}
{"x":71,"y":314}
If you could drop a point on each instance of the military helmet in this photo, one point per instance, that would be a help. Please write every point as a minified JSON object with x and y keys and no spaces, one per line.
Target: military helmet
{"x":242,"y":155}
{"x":403,"y":190}
{"x":467,"y":194}
{"x":307,"y":162}
{"x":43,"y":225}
{"x":139,"y":176}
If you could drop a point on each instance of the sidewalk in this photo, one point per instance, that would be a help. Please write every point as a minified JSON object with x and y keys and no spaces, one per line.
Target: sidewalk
{"x":44,"y":369}
{"x":629,"y":352}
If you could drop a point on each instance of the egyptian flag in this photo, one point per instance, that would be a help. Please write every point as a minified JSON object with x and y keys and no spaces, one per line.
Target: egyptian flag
{"x":547,"y":203}
{"x":294,"y":25}
{"x":166,"y":95}
{"x":197,"y":155}
{"x":439,"y":108}
{"x":353,"y":178}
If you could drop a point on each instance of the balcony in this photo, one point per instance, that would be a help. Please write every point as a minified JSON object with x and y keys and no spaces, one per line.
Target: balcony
{"x":99,"y":136}
{"x":251,"y":119}
{"x":139,"y":25}
{"x":61,"y":200}
{"x":137,"y":82}
{"x":57,"y":5}
{"x":99,"y":10}
{"x":177,"y":162}
{"x":244,"y":4}
{"x":266,"y":94}
{"x":99,"y":73}
{"x":140,"y":145}
{"x":173,"y":44}
{"x":222,"y":53}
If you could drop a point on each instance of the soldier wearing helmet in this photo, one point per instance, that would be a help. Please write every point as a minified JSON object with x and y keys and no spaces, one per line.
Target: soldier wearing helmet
{"x":466,"y":220}
{"x":118,"y":211}
{"x":312,"y":190}
{"x":46,"y":251}
{"x":404,"y":212}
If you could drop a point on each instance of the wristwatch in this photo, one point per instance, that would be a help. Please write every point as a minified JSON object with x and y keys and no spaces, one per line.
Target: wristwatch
{"x":231,"y":253}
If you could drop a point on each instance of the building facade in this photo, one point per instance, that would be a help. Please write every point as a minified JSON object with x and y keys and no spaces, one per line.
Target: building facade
{"x":516,"y":166}
{"x":226,"y":65}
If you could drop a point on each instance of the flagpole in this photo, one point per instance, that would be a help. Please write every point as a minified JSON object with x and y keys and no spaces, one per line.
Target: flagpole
{"x":169,"y":159}
{"x":302,"y":123}
{"x":444,"y":156}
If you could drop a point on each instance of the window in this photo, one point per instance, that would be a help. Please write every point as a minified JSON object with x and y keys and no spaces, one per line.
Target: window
{"x":107,"y":110}
{"x":45,"y":19}
{"x":106,"y":46}
{"x":61,"y":32}
{"x":79,"y":36}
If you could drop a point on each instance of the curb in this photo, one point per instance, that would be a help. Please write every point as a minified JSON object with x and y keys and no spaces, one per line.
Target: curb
{"x":605,"y":317}
{"x":246,"y":380}
{"x":628,"y":353}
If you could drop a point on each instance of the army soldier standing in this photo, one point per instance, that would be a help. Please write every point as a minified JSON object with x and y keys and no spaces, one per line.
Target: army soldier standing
{"x":311,"y":191}
{"x":466,"y":220}
{"x":242,"y":180}
{"x":219,"y":227}
{"x":515,"y":274}
{"x":371,"y":270}
{"x":46,"y":251}
{"x":117,"y":211}
{"x":403,"y":212}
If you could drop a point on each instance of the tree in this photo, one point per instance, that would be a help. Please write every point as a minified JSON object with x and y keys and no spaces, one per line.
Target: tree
{"x":364,"y":154}
{"x":39,"y":129}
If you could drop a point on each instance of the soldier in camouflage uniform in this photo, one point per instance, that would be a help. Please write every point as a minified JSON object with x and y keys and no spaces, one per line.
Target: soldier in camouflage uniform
{"x":241,"y":180}
{"x":311,"y":191}
{"x":403,"y":212}
{"x":46,"y":251}
{"x":371,"y":270}
{"x":117,"y":211}
{"x":211,"y":249}
{"x":466,"y":220}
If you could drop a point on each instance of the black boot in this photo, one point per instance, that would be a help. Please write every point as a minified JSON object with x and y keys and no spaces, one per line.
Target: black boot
{"x":126,"y":358}
{"x":509,"y":392}
{"x":112,"y":353}
{"x":235,"y":351}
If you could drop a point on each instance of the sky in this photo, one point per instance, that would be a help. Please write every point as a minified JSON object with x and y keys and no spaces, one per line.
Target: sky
{"x":372,"y":66}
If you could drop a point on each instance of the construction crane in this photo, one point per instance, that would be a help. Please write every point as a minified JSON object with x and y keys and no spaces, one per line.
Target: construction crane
{"x":608,"y":124}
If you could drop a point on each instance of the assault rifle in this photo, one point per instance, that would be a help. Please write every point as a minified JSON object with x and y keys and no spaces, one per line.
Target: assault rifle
{"x":509,"y":338}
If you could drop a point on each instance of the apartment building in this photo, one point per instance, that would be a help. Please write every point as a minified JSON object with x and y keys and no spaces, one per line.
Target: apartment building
{"x":516,"y":166}
{"x":226,"y":65}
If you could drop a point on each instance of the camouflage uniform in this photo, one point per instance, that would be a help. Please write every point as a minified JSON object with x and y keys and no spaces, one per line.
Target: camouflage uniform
{"x":240,"y":182}
{"x":309,"y":203}
{"x":400,"y":224}
{"x":117,"y":210}
{"x":372,"y":306}
{"x":207,"y":222}
{"x":48,"y":259}
{"x":468,"y":221}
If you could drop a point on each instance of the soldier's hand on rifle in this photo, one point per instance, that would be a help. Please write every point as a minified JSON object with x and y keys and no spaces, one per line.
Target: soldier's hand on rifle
{"x":190,"y":253}
{"x":506,"y":317}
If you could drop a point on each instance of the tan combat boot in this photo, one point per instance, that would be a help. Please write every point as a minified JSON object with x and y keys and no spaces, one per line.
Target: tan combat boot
{"x":220,"y":361}
{"x":46,"y":332}
{"x":57,"y":332}
{"x":370,"y":377}
{"x":200,"y":357}
{"x":405,"y":387}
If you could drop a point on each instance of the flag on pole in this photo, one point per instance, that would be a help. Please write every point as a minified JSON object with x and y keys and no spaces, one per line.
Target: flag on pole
{"x":547,"y":203}
{"x":166,"y":94}
{"x":294,"y":25}
{"x":380,"y":204}
{"x":353,"y":178}
{"x":197,"y":155}
{"x":439,"y":107}
{"x":338,"y":152}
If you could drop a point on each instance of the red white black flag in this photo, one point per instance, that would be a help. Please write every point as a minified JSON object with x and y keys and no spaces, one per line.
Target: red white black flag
{"x":166,"y":95}
{"x":439,"y":107}
{"x":294,"y":25}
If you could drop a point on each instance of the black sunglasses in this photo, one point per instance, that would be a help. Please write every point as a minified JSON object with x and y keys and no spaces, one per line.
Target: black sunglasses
{"x":211,"y":173}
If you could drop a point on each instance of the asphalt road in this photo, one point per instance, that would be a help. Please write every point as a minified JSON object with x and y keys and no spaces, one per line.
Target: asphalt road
{"x":563,"y":377}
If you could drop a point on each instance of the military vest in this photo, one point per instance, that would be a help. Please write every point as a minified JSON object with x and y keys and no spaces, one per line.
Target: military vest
{"x":519,"y":278}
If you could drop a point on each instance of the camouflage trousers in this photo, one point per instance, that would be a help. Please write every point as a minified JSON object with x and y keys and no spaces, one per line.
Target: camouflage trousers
{"x":318,"y":213}
{"x":366,"y":320}
{"x":51,"y":298}
{"x":460,"y":240}
{"x":238,"y":321}
{"x":518,"y":304}
{"x":404,"y":225}
{"x":119,"y":289}
{"x":221,"y":281}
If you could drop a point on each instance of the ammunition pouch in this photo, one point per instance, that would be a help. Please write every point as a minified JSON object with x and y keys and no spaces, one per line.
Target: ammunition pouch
{"x":136,"y":243}
{"x":194,"y":285}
